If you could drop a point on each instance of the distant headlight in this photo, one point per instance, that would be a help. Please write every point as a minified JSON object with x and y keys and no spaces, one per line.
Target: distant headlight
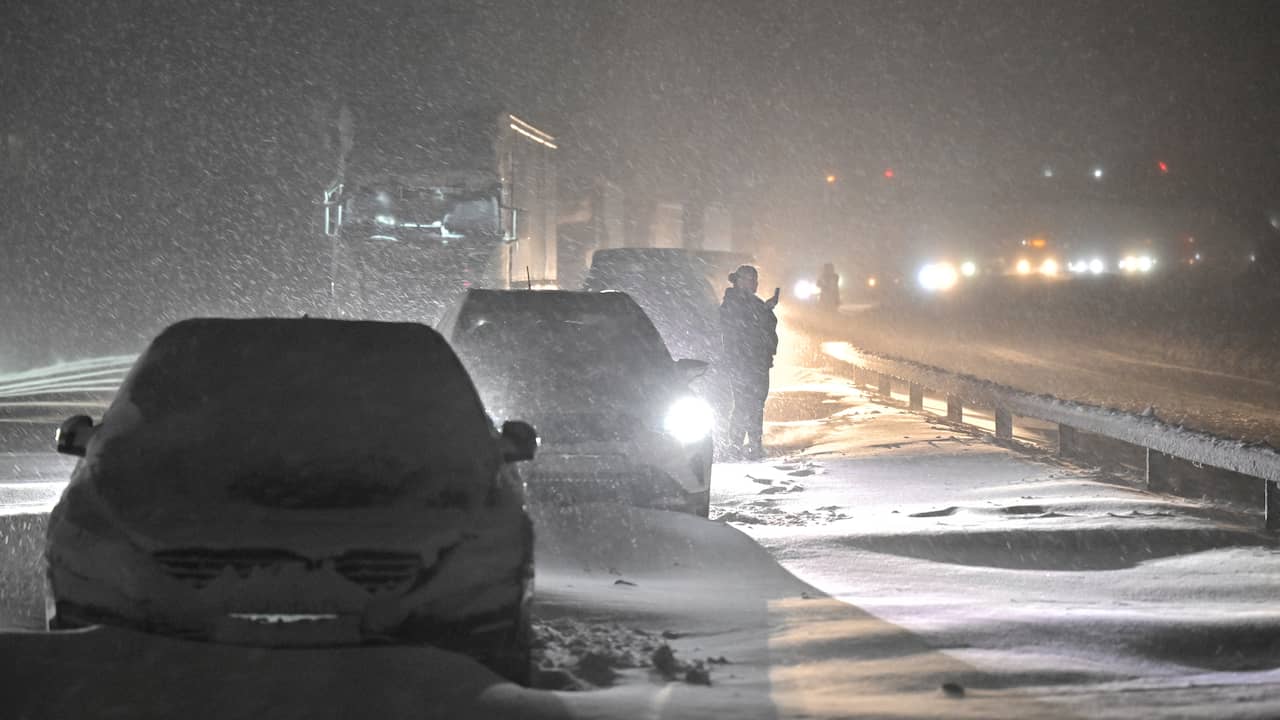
{"x":1023,"y":267}
{"x":938,"y":276}
{"x":1132,"y":263}
{"x":1049,"y":267}
{"x":1096,"y":266}
{"x":806,"y":290}
{"x":688,"y":420}
{"x":968,"y":268}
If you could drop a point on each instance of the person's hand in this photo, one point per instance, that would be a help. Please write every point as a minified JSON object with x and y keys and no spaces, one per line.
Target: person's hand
{"x":773,"y":301}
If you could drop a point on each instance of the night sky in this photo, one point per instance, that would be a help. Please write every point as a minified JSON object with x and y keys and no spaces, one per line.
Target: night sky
{"x":172,"y":153}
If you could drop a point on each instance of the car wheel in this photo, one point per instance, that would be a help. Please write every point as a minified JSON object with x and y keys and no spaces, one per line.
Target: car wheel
{"x":514,"y":661}
{"x":507,"y":651}
{"x":700,"y":503}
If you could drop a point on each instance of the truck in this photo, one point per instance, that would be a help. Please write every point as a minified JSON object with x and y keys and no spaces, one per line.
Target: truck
{"x":415,"y":218}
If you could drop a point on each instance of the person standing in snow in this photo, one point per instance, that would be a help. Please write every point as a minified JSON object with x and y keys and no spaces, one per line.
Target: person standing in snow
{"x":749,"y":331}
{"x":829,"y":288}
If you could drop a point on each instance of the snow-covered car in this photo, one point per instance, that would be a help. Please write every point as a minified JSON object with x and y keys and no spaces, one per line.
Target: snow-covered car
{"x":671,"y":285}
{"x":298,"y":482}
{"x":616,"y":416}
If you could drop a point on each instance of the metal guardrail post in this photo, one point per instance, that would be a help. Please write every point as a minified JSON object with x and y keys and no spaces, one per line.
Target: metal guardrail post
{"x":955,"y":408}
{"x":1067,"y":444}
{"x":1271,"y":505}
{"x":886,"y":385}
{"x":1004,"y":424}
{"x":1157,"y":470}
{"x":917,"y":397}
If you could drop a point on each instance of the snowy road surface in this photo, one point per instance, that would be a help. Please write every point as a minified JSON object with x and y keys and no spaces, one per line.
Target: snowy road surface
{"x":1117,"y":375}
{"x":882,"y":564}
{"x":1112,"y":601}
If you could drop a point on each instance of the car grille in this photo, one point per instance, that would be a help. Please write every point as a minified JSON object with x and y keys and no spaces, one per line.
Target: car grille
{"x":377,"y":571}
{"x":200,"y":566}
{"x":374,"y":570}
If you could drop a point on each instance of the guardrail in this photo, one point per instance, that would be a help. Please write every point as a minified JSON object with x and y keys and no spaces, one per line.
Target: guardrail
{"x":1175,"y":458}
{"x":95,"y":377}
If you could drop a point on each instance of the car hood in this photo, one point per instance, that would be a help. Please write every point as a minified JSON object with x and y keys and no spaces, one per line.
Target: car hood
{"x":312,"y":533}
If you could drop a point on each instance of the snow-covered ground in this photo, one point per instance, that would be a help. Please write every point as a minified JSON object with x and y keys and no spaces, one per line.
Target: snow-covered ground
{"x":881,"y":564}
{"x":1088,"y":595}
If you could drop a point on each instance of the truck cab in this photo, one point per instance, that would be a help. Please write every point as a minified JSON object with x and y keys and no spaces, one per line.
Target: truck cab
{"x":414,"y":223}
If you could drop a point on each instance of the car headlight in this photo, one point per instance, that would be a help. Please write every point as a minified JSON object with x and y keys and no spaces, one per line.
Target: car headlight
{"x":938,"y":276}
{"x":806,"y":290}
{"x":688,"y":420}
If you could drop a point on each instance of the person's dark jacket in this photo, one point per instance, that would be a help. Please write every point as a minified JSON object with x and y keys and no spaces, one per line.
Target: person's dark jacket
{"x":749,"y":330}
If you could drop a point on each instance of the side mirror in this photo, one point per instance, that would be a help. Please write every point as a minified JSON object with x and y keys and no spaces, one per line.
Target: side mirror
{"x":691,"y":369}
{"x":519,"y":441}
{"x":73,"y":435}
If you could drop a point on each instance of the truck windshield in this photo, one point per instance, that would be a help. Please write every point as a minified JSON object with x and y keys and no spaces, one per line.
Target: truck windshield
{"x":441,"y":211}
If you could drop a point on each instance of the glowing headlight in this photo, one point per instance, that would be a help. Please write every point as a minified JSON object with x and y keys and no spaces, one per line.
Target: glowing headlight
{"x":806,"y":290}
{"x":1096,"y":266}
{"x":1049,"y":267}
{"x":688,"y":420}
{"x":1023,"y":267}
{"x":968,"y":268}
{"x":387,"y":220}
{"x":1142,"y":263}
{"x":937,"y":276}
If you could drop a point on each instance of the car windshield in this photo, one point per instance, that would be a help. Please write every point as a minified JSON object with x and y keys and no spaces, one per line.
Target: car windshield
{"x":314,"y":407}
{"x":562,"y":352}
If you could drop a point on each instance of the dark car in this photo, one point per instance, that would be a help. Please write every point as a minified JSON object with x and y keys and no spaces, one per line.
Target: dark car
{"x":615,"y":412}
{"x":298,"y":482}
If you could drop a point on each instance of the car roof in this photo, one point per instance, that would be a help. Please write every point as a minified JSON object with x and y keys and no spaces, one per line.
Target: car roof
{"x":533,"y":301}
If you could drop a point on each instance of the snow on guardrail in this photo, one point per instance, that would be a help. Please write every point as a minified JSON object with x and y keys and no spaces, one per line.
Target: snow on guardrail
{"x":46,"y":393}
{"x":1253,"y":460}
{"x":103,"y":374}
